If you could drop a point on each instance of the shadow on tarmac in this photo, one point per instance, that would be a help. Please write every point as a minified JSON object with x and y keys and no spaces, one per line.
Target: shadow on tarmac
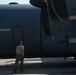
{"x":65,"y":67}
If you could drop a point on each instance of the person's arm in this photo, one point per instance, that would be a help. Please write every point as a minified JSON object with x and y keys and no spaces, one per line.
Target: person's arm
{"x":23,"y":51}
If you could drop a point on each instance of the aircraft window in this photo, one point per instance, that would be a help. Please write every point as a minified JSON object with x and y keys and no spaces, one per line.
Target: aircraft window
{"x":59,"y":9}
{"x":45,"y":21}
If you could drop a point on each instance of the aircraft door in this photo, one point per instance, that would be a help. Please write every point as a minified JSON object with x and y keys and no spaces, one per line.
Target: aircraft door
{"x":17,"y":34}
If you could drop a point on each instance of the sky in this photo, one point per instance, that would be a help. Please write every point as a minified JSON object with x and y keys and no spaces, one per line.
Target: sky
{"x":18,"y":1}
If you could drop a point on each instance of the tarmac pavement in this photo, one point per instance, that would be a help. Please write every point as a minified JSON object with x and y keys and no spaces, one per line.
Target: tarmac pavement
{"x":40,"y":66}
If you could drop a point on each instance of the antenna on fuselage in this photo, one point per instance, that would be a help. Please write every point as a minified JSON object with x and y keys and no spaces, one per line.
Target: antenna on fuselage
{"x":13,"y":3}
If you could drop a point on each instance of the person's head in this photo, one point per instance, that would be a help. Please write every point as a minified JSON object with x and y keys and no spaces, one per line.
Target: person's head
{"x":20,"y":43}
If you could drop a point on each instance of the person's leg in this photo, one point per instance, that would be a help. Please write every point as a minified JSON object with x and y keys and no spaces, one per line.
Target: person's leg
{"x":16,"y":63}
{"x":21,"y":63}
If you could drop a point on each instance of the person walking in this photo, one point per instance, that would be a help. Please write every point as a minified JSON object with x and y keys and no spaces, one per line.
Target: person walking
{"x":19,"y":56}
